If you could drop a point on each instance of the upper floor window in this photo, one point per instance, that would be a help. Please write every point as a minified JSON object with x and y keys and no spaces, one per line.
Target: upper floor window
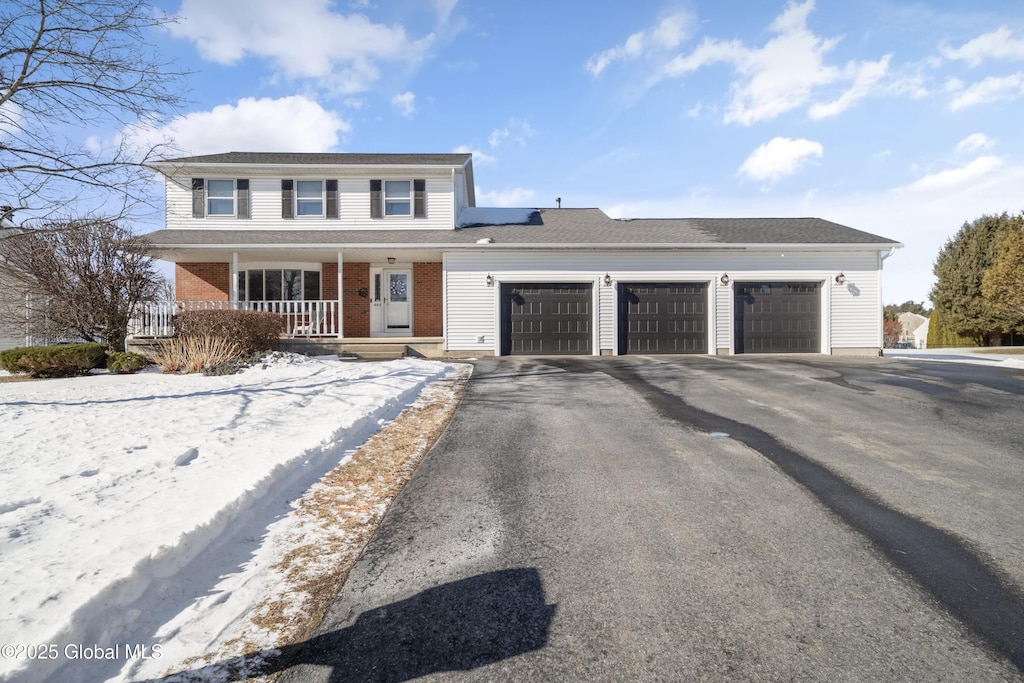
{"x":309,"y":198}
{"x":220,"y":197}
{"x":398,"y":198}
{"x":316,"y":198}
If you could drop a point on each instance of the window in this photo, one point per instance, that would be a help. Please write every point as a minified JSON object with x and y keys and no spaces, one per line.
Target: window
{"x":284,"y":284}
{"x":220,"y":197}
{"x":398,"y":198}
{"x":309,"y":198}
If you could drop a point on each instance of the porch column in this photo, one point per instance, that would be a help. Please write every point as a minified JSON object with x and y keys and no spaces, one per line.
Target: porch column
{"x":341,"y":303}
{"x":233,"y":285}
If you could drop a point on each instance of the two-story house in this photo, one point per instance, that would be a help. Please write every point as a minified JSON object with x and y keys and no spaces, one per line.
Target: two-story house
{"x":356,"y":247}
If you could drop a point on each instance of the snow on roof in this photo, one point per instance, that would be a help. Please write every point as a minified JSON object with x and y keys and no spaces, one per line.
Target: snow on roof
{"x":490,"y":215}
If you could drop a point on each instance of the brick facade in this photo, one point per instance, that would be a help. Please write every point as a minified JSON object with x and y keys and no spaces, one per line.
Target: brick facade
{"x":355,"y":276}
{"x":427,"y":287}
{"x":202,"y":281}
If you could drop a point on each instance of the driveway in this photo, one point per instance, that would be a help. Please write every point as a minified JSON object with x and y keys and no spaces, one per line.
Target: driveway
{"x":699,"y":518}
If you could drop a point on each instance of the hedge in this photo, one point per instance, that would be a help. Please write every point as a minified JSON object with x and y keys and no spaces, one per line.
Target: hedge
{"x":252,"y":331}
{"x":64,"y":360}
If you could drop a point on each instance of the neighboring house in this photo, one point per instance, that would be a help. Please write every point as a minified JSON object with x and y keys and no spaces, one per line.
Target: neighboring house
{"x":910,"y":323}
{"x":13,"y":312}
{"x":391,"y":246}
{"x":921,"y":335}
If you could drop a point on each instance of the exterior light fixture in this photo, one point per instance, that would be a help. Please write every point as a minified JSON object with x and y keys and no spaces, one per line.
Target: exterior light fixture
{"x":724,"y":279}
{"x":840,"y":279}
{"x":607,"y":280}
{"x":391,"y":260}
{"x":489,"y":280}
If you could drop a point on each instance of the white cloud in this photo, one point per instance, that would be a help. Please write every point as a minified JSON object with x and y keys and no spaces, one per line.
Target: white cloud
{"x":999,"y":44}
{"x":518,"y":130}
{"x":405,"y":103}
{"x":974,"y":143}
{"x":480,"y":158}
{"x":956,"y":177}
{"x":339,"y":50}
{"x":784,"y":73}
{"x":991,"y":89}
{"x":865,"y":77}
{"x":780,"y":157}
{"x":10,"y":118}
{"x":667,"y":34}
{"x":288,"y":124}
{"x":514,"y":196}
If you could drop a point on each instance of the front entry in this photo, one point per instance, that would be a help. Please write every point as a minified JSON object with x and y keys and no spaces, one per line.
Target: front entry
{"x":391,"y":302}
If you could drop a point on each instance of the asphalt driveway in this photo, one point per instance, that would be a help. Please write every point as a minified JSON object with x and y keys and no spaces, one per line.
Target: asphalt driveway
{"x":698,"y":518}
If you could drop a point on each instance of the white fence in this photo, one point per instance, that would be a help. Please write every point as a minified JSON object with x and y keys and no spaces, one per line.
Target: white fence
{"x":300,"y":318}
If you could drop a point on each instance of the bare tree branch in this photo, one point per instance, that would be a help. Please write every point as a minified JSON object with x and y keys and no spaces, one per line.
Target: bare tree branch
{"x":68,"y":68}
{"x":87,"y":277}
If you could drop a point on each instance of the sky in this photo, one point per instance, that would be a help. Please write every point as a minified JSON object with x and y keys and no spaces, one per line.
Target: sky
{"x":894,"y":117}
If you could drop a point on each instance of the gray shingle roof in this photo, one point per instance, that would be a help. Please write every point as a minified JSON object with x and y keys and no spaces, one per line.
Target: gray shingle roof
{"x":343,"y":158}
{"x":556,"y":227}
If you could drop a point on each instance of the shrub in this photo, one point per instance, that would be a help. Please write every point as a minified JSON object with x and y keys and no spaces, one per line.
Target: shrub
{"x":251,"y":331}
{"x":64,"y":360}
{"x":195,"y":353}
{"x":125,"y":363}
{"x":234,"y":366}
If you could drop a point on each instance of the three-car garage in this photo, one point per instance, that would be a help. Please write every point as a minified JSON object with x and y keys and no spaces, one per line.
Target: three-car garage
{"x":558,"y":318}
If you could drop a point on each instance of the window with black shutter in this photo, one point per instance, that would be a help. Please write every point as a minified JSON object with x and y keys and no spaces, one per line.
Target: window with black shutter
{"x":332,"y":199}
{"x":242,"y":198}
{"x":375,"y":199}
{"x":420,"y":189}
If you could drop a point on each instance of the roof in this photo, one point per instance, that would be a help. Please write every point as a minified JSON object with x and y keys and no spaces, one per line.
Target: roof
{"x":556,"y":228}
{"x":322,"y":158}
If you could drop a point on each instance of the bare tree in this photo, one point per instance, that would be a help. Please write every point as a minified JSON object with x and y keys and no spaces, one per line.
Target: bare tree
{"x":86,"y":277}
{"x":68,"y":68}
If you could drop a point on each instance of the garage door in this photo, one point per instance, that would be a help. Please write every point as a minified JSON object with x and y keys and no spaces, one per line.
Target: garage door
{"x":777,"y":317}
{"x":663,"y":318}
{"x":548,"y":318}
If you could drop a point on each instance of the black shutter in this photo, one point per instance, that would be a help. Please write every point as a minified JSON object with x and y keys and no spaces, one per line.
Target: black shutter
{"x":332,"y":199}
{"x":242,"y":198}
{"x":198,"y":198}
{"x":420,"y":203}
{"x":287,"y":203}
{"x":375,"y":192}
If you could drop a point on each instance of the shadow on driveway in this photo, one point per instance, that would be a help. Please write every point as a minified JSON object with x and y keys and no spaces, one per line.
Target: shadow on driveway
{"x":457,"y":626}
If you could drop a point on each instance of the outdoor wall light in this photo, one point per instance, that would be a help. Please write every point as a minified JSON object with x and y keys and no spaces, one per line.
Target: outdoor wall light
{"x":489,"y":280}
{"x":840,"y":279}
{"x":391,"y":260}
{"x":724,"y":279}
{"x":607,"y":280}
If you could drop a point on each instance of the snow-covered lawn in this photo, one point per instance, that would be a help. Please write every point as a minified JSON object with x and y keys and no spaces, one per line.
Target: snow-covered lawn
{"x":129,"y":501}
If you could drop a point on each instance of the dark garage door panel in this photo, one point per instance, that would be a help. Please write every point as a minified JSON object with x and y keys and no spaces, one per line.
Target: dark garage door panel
{"x":546,"y":318}
{"x":663,"y":317}
{"x":777,"y":317}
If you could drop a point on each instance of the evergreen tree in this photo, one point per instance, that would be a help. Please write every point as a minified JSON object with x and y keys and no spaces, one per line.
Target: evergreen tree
{"x":959,"y":269}
{"x":1003,"y":283}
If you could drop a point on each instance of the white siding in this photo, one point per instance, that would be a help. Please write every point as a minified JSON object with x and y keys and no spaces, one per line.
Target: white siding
{"x":851,"y":314}
{"x":354,"y":207}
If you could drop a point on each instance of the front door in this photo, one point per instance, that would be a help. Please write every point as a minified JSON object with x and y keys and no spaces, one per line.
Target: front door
{"x":392,"y":302}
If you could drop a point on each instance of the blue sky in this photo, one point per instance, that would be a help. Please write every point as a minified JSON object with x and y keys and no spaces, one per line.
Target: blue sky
{"x":898,"y":118}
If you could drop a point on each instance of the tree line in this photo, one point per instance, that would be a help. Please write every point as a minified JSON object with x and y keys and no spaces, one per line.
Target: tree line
{"x":979,"y":290}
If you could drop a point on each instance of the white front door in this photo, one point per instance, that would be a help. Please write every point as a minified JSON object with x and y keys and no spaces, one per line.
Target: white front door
{"x":391,"y":310}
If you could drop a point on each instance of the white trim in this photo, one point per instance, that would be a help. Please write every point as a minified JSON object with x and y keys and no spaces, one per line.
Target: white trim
{"x":341,"y":296}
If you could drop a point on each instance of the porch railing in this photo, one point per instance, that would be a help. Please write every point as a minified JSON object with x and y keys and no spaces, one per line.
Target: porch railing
{"x":300,"y":318}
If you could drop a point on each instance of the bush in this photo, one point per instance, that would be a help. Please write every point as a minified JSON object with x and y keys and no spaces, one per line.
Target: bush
{"x":251,"y":331}
{"x":65,"y":360}
{"x":124,"y":363}
{"x":195,"y":354}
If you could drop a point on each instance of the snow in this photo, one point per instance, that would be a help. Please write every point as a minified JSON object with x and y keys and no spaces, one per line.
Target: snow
{"x":484,"y":215}
{"x":139,"y":512}
{"x":991,"y":355}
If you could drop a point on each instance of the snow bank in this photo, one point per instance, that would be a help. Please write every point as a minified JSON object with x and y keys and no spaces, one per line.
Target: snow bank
{"x":114,"y":489}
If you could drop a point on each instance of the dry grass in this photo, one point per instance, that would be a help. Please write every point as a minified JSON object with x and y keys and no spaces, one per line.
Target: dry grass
{"x":340,"y":514}
{"x":193,"y":354}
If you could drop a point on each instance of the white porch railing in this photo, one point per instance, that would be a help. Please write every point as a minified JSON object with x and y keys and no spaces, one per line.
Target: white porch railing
{"x":301,"y":318}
